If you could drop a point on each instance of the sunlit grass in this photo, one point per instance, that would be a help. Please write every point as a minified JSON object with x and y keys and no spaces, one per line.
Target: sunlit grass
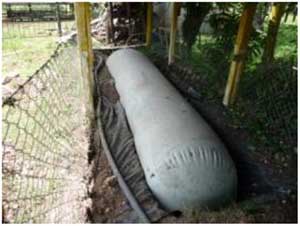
{"x":26,"y":46}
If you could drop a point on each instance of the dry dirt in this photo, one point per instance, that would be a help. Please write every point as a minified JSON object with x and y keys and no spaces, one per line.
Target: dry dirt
{"x":108,"y":202}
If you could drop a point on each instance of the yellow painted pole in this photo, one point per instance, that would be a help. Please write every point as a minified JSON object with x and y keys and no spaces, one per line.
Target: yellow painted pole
{"x":83,"y":19}
{"x":175,"y":12}
{"x":275,"y":17}
{"x":240,"y":50}
{"x":149,"y":24}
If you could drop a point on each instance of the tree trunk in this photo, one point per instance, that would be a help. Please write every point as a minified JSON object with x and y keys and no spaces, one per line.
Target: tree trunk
{"x":270,"y":43}
{"x":196,"y":12}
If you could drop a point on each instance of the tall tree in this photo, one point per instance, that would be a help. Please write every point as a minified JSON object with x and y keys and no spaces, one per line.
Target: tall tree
{"x":195,"y":14}
{"x":277,"y":12}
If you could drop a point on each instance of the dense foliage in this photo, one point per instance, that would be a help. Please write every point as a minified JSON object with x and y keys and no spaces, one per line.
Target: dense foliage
{"x":267,"y":93}
{"x":195,"y":14}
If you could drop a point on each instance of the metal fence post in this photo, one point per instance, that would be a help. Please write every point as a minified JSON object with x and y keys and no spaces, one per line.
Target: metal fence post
{"x":58,"y":20}
{"x":82,"y":14}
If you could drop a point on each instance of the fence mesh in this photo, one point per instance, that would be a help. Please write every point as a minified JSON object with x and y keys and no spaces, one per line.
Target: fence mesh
{"x":268,"y":105}
{"x":45,"y":144}
{"x":12,"y":30}
{"x":29,"y":20}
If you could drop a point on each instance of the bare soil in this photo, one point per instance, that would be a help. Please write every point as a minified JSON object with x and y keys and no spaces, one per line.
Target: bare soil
{"x":108,"y":201}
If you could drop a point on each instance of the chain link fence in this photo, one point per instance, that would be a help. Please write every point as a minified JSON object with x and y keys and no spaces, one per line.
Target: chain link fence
{"x":13,"y":30}
{"x":45,"y":141}
{"x":267,"y":105}
{"x":30,"y":20}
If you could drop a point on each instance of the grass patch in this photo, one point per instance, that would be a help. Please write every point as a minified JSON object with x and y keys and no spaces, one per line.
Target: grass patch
{"x":25,"y":56}
{"x":26,"y":46}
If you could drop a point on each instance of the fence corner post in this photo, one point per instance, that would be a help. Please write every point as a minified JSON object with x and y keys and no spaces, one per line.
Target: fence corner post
{"x":82,"y":14}
{"x":58,"y":20}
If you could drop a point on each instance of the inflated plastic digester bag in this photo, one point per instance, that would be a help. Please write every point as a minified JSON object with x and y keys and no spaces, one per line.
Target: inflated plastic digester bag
{"x":185,"y":163}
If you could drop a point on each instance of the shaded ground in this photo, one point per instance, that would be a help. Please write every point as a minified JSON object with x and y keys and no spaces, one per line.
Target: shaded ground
{"x":108,"y":200}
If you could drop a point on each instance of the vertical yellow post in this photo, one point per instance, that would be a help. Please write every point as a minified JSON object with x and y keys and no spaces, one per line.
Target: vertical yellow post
{"x":82,"y":14}
{"x":240,"y":50}
{"x":149,"y":24}
{"x":275,"y":17}
{"x":175,"y":12}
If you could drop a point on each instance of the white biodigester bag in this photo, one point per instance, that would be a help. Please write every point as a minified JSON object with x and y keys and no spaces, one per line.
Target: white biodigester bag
{"x":185,"y":163}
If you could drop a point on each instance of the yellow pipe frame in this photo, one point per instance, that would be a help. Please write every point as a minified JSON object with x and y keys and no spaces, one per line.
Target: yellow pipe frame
{"x":149,"y":24}
{"x":83,"y":19}
{"x":240,"y":50}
